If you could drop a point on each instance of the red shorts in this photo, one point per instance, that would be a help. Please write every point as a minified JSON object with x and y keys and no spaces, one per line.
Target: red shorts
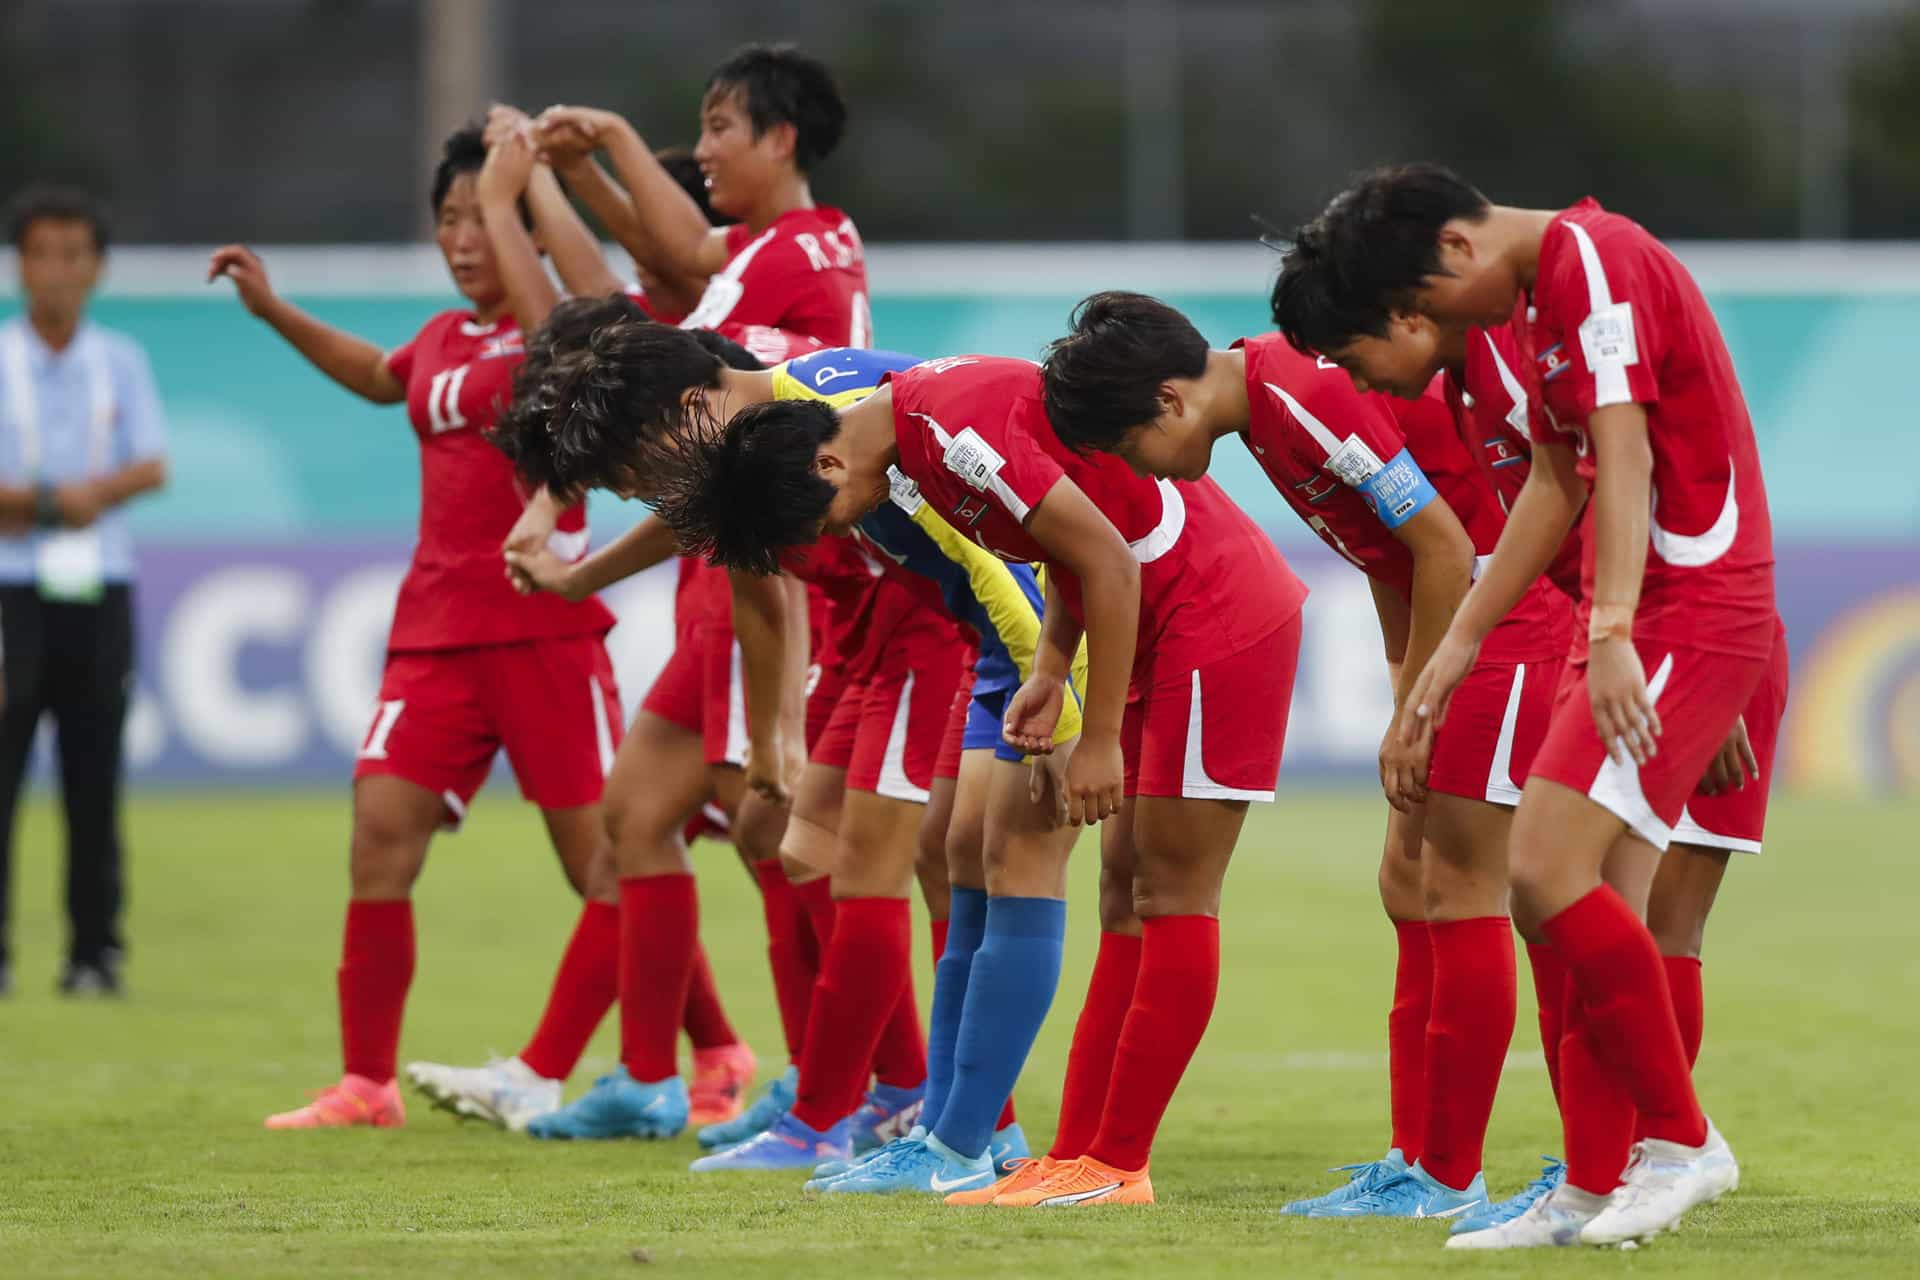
{"x":443,"y":714}
{"x":1495,"y":725}
{"x":824,"y":687}
{"x":1736,"y":820}
{"x":1225,"y":745}
{"x":1698,"y":695}
{"x":888,"y":726}
{"x":953,"y":738}
{"x":701,"y":690}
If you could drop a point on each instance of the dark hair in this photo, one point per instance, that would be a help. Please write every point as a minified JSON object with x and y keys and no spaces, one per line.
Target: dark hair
{"x":1362,"y":259}
{"x":685,"y":170}
{"x":57,"y":204}
{"x":741,"y":494}
{"x":464,"y":151}
{"x":1103,"y":379}
{"x":778,"y":84}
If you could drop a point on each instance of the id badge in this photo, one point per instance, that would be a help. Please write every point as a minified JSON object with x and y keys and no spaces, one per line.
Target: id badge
{"x":70,"y":566}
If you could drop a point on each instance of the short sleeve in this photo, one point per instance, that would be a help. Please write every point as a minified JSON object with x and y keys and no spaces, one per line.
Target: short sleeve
{"x":1601,"y":322}
{"x":142,"y":422}
{"x":1349,"y":433}
{"x":1008,"y":467}
{"x":400,"y":360}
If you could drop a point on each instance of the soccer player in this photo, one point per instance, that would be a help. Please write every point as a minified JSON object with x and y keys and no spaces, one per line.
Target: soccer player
{"x":1175,"y":589}
{"x":1726,"y":814}
{"x":1638,"y":399}
{"x":472,"y":667}
{"x":1391,"y":488}
{"x":788,"y":266}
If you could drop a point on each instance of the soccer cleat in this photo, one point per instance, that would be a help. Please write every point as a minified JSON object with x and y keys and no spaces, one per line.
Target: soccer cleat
{"x":1554,"y":1222}
{"x":1361,"y":1178}
{"x":788,"y":1145}
{"x":1020,"y":1175}
{"x":96,"y":978}
{"x":353,"y":1102}
{"x":505,"y":1092}
{"x":1416,"y":1194}
{"x":886,"y":1114}
{"x":926,"y":1167}
{"x":1078,"y":1182}
{"x":827,"y":1170}
{"x":618,"y":1106}
{"x":757,"y":1118}
{"x":1662,"y":1182}
{"x":1552,"y":1174}
{"x":1008,"y":1146}
{"x":720,"y":1079}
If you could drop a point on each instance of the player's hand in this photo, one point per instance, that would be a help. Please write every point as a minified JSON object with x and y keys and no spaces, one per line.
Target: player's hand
{"x":1033,"y":713}
{"x":249,"y":275}
{"x":1403,"y":770}
{"x":504,"y":121}
{"x":1047,"y":775}
{"x":566,"y":134}
{"x":1095,"y":781}
{"x":1424,"y":709}
{"x":1733,"y":764}
{"x":508,"y":167}
{"x":1623,"y":714}
{"x":532,"y":530}
{"x":767,"y":770}
{"x":80,"y":503}
{"x":542,"y":570}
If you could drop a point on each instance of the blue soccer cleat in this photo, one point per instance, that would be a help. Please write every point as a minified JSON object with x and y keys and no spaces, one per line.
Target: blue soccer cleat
{"x":1552,"y":1174}
{"x":757,"y":1118}
{"x":887,"y":1113}
{"x":618,"y":1106}
{"x":1414,"y":1194}
{"x":1361,"y":1178}
{"x":927,"y":1167}
{"x":1008,"y":1145}
{"x":827,"y":1170}
{"x":788,"y":1145}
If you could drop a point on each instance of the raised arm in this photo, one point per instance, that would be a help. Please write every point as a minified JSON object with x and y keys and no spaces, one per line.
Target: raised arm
{"x":353,"y":362}
{"x":569,"y":244}
{"x":502,"y":181}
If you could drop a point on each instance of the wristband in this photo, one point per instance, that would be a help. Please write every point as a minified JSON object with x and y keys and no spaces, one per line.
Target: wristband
{"x":46,"y":506}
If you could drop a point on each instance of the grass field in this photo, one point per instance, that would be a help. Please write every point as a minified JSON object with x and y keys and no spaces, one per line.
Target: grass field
{"x":130,"y":1139}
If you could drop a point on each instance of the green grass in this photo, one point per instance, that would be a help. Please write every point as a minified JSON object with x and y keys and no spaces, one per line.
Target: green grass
{"x":130,"y":1139}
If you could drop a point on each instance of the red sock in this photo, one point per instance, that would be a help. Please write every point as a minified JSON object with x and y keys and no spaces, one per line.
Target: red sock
{"x":791,"y":953}
{"x":1172,"y":1003}
{"x":1096,"y":1036}
{"x":705,"y":1019}
{"x":816,"y":899}
{"x":659,"y":934}
{"x":1550,"y":995}
{"x":861,"y":979}
{"x":1628,"y":1013}
{"x":938,"y":928}
{"x":376,"y":968}
{"x":1467,"y":1038}
{"x":1597,"y":1119}
{"x":900,"y":1057}
{"x":1689,"y":1003}
{"x":1407,"y":1037}
{"x":583,"y":991}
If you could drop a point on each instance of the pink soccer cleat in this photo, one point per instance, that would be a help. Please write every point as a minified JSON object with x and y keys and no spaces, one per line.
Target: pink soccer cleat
{"x":720,"y":1079}
{"x":354,"y":1101}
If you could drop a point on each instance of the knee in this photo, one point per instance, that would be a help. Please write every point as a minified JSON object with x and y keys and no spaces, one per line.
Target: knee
{"x":1116,"y":901}
{"x":643,"y":841}
{"x":385,"y":855}
{"x":1676,"y":930}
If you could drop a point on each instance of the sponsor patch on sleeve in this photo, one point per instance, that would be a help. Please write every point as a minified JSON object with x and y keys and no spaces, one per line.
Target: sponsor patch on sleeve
{"x":1354,"y":462}
{"x":973,"y":459}
{"x":1606,"y":336}
{"x":904,"y":492}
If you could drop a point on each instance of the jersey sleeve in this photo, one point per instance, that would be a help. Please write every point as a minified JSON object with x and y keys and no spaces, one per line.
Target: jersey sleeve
{"x":1356,"y":437}
{"x":1003,"y":465}
{"x":1604,"y":309}
{"x":400,"y":359}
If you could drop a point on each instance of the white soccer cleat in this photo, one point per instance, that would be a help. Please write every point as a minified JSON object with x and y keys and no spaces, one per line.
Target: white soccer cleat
{"x":1554,"y":1222}
{"x":1662,"y":1182}
{"x":505,"y":1092}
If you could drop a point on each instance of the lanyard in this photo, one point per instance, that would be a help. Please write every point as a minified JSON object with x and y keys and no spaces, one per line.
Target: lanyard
{"x":24,"y":409}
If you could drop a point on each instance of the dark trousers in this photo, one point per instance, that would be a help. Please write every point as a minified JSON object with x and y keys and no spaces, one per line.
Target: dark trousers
{"x":75,"y":661}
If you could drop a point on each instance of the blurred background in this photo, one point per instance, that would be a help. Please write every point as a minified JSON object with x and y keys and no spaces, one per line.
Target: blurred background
{"x":1004,"y":160}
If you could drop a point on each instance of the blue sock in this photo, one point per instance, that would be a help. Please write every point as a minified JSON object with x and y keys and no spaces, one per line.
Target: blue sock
{"x":966,"y":925}
{"x":1009,"y":991}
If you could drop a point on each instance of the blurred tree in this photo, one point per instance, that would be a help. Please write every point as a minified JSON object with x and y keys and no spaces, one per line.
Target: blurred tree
{"x":1884,"y":164}
{"x":38,"y":143}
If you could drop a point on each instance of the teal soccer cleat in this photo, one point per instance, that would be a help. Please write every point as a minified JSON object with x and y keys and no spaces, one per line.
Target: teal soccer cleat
{"x":1552,"y":1174}
{"x":1361,"y":1178}
{"x":927,"y":1167}
{"x":757,"y":1118}
{"x":1414,"y":1194}
{"x":618,"y":1106}
{"x":828,"y":1170}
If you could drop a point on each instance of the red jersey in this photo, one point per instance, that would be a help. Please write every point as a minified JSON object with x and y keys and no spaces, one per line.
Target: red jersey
{"x":973,"y":433}
{"x":458,"y":376}
{"x":1356,"y":466}
{"x":1618,"y":320}
{"x":797,"y":286}
{"x":1491,"y":403}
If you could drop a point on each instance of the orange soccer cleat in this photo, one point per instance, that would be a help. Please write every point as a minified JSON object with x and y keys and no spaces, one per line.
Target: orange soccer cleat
{"x":720,"y":1079}
{"x":1082,"y":1181}
{"x":1021,"y":1174}
{"x":354,"y":1101}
